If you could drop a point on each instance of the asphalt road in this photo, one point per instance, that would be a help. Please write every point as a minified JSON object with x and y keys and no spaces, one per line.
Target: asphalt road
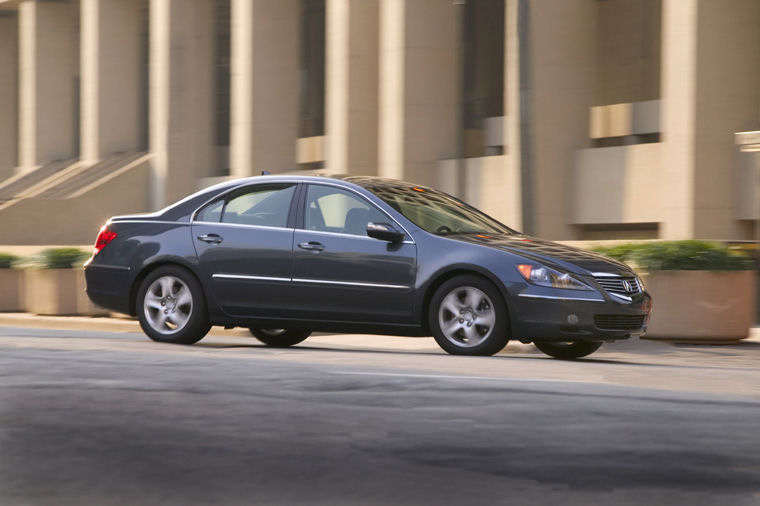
{"x":97,"y":417}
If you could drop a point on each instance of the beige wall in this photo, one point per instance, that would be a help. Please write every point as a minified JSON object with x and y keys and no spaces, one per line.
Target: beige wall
{"x":710,"y":81}
{"x":181,"y":96}
{"x":8,"y":94}
{"x":352,"y":86}
{"x":46,"y":82}
{"x":562,"y":61}
{"x":419,"y":112}
{"x":111,"y":92}
{"x":264,"y":86}
{"x":614,"y":185}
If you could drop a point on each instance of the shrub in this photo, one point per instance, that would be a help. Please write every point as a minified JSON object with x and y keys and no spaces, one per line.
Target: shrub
{"x":63,"y":258}
{"x":687,"y":255}
{"x":7,"y":260}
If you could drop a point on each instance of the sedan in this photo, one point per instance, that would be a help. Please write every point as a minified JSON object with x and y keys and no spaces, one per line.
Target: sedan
{"x":286,"y":255}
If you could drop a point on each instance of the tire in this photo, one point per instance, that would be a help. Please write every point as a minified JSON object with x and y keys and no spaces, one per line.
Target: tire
{"x":171,"y":306}
{"x":468,"y":316}
{"x":568,"y":350}
{"x":279,"y":338}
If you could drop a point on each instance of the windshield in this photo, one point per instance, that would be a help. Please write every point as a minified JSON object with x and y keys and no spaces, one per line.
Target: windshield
{"x":437,"y":212}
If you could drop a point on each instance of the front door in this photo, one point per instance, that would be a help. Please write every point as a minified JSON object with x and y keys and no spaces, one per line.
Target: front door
{"x":244,"y":244}
{"x":341,"y":274}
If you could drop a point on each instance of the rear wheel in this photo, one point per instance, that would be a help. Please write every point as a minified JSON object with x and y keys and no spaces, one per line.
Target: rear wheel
{"x":568,"y":350}
{"x":279,"y":338}
{"x":468,"y":317}
{"x":172,"y":307}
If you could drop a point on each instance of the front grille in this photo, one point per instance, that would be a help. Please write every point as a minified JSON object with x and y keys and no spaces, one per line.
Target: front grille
{"x":620,"y":284}
{"x":619,"y":321}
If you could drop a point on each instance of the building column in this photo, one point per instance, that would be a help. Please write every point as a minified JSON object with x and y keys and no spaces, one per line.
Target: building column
{"x":351,"y":87}
{"x":46,"y":82}
{"x":561,"y":43}
{"x":419,"y":96}
{"x":8,"y":94}
{"x":181,"y":96}
{"x":263,"y":86}
{"x":110,"y":77}
{"x":708,"y":80}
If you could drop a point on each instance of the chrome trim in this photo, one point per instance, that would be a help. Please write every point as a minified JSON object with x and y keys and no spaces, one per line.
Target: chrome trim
{"x":555,"y":297}
{"x":249,"y":278}
{"x":165,"y":222}
{"x":621,"y":296}
{"x":215,"y":223}
{"x":611,"y":275}
{"x":342,"y":234}
{"x":350,"y":283}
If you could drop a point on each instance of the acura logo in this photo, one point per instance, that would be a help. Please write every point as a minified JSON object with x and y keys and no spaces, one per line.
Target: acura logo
{"x":627,"y":286}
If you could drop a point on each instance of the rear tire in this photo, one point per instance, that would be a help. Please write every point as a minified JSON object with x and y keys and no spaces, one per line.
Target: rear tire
{"x":568,"y":350}
{"x":279,"y":338}
{"x":468,"y":316}
{"x":171,"y":306}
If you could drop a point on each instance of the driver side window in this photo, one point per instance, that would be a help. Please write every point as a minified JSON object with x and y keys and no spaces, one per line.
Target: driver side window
{"x":330,"y":209}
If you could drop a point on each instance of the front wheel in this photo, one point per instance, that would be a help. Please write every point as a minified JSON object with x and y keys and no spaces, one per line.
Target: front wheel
{"x":171,"y":306}
{"x":279,"y":338}
{"x":568,"y":350}
{"x":468,"y":316}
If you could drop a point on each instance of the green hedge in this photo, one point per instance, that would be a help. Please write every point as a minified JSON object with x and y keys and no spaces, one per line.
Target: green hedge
{"x":680,"y":255}
{"x":63,"y":258}
{"x":7,"y":260}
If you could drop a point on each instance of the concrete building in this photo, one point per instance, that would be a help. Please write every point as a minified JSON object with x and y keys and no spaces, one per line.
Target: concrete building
{"x":569,"y":119}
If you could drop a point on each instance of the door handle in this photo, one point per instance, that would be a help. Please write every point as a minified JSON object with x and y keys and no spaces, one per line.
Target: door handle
{"x":311,"y":245}
{"x":212,"y":238}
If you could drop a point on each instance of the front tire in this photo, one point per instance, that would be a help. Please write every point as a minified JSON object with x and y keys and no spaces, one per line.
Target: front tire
{"x":171,"y":306}
{"x":569,"y":350}
{"x":279,"y":338}
{"x":468,"y":316}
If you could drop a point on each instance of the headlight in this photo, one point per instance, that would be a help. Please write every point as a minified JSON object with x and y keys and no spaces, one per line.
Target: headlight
{"x":544,"y":276}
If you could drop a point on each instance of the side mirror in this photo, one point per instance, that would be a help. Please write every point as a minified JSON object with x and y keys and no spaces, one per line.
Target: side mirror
{"x":384,"y":232}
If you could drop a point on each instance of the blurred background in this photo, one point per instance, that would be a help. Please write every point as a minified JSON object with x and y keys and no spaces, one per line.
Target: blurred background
{"x":568,"y":119}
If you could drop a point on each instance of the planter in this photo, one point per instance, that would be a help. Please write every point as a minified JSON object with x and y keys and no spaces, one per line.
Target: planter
{"x":701,"y":306}
{"x":12,"y":291}
{"x":58,"y":292}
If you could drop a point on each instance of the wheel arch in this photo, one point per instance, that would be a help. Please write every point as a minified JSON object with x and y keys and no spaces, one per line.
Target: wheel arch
{"x":441,"y":277}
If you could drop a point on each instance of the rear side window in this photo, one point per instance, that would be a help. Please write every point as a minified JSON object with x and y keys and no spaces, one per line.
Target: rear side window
{"x":263,"y":205}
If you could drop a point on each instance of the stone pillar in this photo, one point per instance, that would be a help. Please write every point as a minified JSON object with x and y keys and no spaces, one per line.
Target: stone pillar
{"x":561,"y":54}
{"x":8,"y":94}
{"x":351,"y":87}
{"x":181,"y":96}
{"x":419,"y":97}
{"x":46,"y":82}
{"x":264,"y":86}
{"x":111,"y":94}
{"x":709,"y":88}
{"x":515,"y":82}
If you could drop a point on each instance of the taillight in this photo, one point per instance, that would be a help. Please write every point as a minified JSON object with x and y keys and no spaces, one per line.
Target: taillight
{"x":105,"y":236}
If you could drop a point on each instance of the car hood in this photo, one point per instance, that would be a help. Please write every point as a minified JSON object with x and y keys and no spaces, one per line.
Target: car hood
{"x":575,"y":260}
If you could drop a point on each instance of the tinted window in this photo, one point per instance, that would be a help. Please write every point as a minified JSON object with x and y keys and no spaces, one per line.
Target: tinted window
{"x":212,"y":212}
{"x":263,"y":205}
{"x":331,"y":209}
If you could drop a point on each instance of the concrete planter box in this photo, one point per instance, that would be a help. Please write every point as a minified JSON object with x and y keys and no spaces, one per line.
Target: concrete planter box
{"x":701,"y":306}
{"x":11,"y":290}
{"x":58,"y":292}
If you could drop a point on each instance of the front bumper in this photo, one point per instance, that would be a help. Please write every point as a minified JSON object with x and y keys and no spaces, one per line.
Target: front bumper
{"x":552,"y":317}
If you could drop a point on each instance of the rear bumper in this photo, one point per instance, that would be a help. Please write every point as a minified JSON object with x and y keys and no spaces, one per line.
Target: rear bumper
{"x":558,"y":319}
{"x":108,"y":287}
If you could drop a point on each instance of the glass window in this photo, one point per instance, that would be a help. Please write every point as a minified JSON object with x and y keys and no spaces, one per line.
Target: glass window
{"x":212,"y":212}
{"x":264,"y":206}
{"x":330,"y":209}
{"x":437,"y":212}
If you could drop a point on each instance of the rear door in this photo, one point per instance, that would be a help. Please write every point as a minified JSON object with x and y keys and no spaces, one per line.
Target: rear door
{"x":244,"y":245}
